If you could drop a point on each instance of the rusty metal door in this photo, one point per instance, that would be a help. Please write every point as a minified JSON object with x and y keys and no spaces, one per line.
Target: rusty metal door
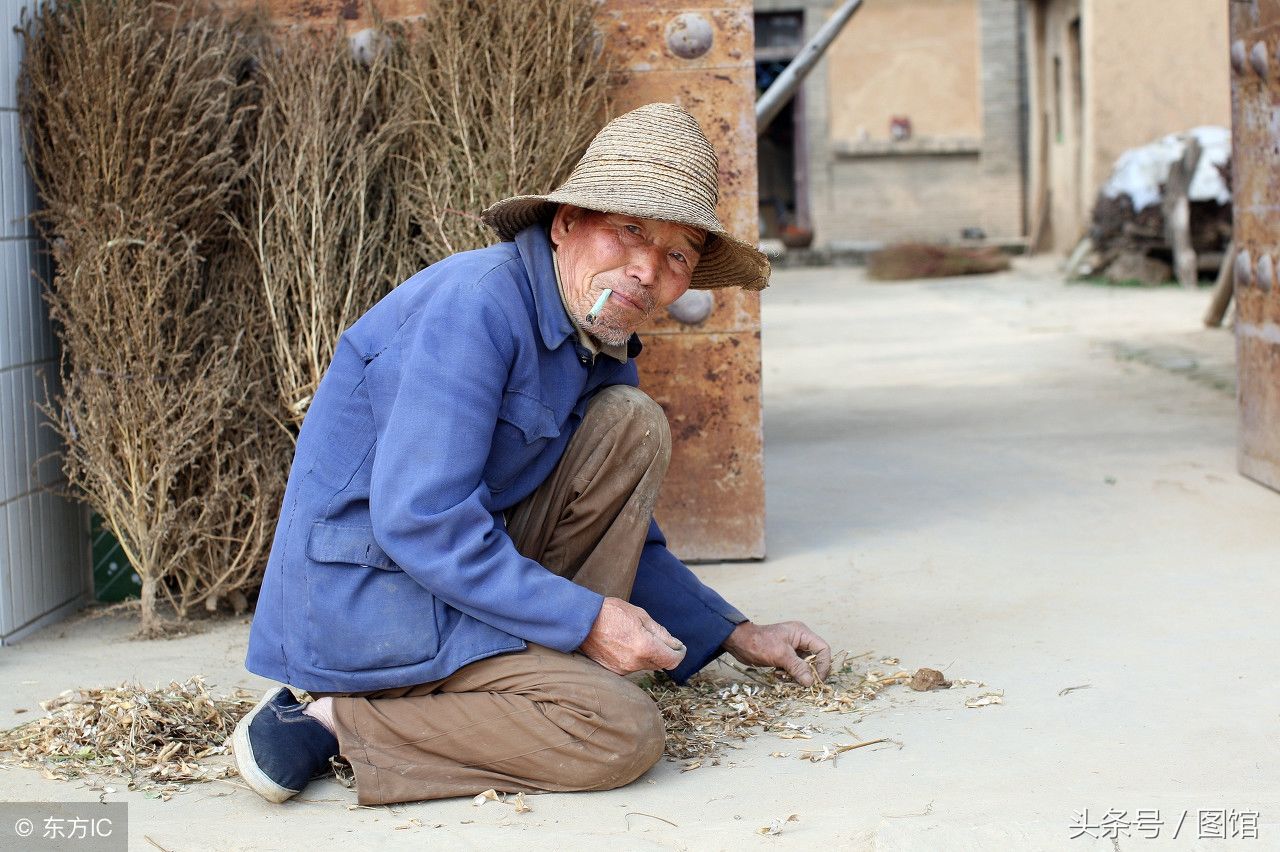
{"x":1255,"y":114}
{"x":706,"y":375}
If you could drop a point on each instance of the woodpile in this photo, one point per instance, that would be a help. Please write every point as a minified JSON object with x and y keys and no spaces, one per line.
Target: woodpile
{"x":1179,"y":236}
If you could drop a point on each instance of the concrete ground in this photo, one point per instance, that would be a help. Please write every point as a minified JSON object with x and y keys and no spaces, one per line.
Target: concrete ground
{"x":1008,"y":478}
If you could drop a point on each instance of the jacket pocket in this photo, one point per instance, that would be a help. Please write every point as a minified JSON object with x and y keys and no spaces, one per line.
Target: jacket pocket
{"x":363,"y":611}
{"x":529,"y":415}
{"x":525,"y":427}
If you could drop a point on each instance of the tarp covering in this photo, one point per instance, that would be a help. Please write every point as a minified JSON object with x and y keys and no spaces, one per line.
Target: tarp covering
{"x":1140,"y":172}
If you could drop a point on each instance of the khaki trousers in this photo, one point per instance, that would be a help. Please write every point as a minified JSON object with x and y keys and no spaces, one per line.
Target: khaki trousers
{"x":538,"y":719}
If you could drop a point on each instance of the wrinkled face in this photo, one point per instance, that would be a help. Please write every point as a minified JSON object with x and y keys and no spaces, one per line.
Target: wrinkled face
{"x":647,"y":263}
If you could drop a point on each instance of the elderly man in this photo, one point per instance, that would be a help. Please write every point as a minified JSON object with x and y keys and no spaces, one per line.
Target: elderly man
{"x":466,"y":562}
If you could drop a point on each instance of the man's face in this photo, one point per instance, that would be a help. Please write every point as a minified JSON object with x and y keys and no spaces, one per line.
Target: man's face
{"x":647,"y":263}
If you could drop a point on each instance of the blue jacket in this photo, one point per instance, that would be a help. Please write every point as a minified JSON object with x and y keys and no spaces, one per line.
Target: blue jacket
{"x":446,"y":404}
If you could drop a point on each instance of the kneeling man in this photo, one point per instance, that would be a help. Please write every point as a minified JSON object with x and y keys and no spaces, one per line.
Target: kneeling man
{"x":466,"y":562}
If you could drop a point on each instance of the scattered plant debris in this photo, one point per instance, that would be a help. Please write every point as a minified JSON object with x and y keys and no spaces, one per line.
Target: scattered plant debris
{"x":985,"y":699}
{"x":155,"y":739}
{"x":775,"y":826}
{"x":491,"y":795}
{"x":715,"y":711}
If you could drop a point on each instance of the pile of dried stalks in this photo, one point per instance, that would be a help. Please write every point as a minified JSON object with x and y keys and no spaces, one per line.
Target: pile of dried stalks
{"x":134,"y":113}
{"x":222,"y":204}
{"x":716,"y":711}
{"x":155,"y":738}
{"x":152,"y":739}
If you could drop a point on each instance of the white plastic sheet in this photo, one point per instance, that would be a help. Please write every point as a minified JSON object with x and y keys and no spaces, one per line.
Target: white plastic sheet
{"x":1139,"y":172}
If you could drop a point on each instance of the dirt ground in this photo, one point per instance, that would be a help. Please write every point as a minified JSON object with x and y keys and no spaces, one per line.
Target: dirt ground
{"x":1010,"y":479}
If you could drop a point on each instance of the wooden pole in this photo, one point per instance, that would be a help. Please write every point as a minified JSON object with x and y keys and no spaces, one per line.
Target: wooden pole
{"x":777,"y":95}
{"x":1222,"y":289}
{"x":1040,"y":221}
{"x":1177,"y":214}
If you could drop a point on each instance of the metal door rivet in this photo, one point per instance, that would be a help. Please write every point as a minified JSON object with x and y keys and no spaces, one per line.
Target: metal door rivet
{"x":1266,"y":273}
{"x":689,"y":35}
{"x":693,"y":307}
{"x":1238,"y":55}
{"x":1244,"y":268}
{"x":1258,"y":59}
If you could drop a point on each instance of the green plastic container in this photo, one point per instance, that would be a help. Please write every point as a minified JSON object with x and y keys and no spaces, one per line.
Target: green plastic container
{"x":113,"y":577}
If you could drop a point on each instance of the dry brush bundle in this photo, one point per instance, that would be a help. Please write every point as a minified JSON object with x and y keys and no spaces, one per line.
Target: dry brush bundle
{"x":497,"y":98}
{"x":906,"y":261}
{"x":126,"y":110}
{"x":231,"y":497}
{"x":320,"y":221}
{"x":133,"y":111}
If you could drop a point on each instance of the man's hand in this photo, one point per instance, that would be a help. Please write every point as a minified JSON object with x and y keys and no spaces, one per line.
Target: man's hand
{"x":625,"y":639}
{"x":780,"y":646}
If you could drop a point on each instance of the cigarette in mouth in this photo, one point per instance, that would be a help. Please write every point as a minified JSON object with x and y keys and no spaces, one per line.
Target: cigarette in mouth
{"x":598,"y":306}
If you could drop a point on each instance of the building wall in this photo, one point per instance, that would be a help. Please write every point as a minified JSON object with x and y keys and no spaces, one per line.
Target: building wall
{"x":1003,"y":159}
{"x":954,"y":68}
{"x":918,"y":59}
{"x":44,"y":562}
{"x":1174,"y":78}
{"x":1130,"y":90}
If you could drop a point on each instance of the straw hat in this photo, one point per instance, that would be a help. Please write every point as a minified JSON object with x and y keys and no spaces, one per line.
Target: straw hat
{"x":654,"y":163}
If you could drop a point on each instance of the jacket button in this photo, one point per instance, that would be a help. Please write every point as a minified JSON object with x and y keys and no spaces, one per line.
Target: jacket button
{"x":585,"y":359}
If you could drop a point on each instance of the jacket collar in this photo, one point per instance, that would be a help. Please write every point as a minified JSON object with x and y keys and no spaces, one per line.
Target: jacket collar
{"x":535,"y":250}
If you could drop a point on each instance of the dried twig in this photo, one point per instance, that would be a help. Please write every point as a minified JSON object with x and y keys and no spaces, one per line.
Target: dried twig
{"x":627,"y":818}
{"x":831,"y":752}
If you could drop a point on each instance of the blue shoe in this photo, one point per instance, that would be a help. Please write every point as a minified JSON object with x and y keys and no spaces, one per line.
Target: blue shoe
{"x":279,"y":749}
